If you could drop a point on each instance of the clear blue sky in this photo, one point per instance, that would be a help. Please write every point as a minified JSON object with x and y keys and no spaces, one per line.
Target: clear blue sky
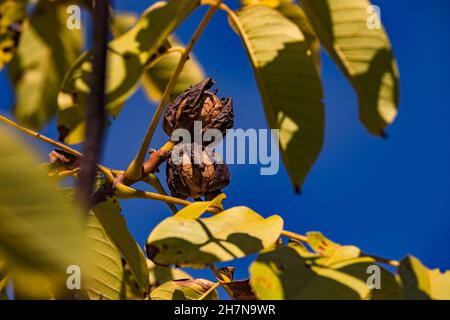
{"x":389,"y":197}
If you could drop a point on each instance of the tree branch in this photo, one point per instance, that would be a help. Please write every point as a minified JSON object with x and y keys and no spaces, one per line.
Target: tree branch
{"x":95,"y":113}
{"x":134,"y":171}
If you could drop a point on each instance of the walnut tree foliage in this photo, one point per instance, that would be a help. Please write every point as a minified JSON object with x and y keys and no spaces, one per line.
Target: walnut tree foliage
{"x":42,"y":227}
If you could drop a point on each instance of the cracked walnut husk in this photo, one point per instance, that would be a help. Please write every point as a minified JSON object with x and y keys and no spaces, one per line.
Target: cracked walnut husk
{"x":193,"y":179}
{"x":199,"y":104}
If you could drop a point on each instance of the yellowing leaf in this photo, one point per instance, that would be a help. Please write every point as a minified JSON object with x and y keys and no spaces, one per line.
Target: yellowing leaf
{"x":106,"y":271}
{"x":331,"y":251}
{"x":115,"y":226}
{"x":12,"y":15}
{"x":288,"y":83}
{"x":360,"y":47}
{"x":231,"y":234}
{"x":46,"y":52}
{"x":184,"y":290}
{"x":291,"y":273}
{"x":128,"y":55}
{"x":419,"y":283}
{"x":196,"y":209}
{"x":39,"y":231}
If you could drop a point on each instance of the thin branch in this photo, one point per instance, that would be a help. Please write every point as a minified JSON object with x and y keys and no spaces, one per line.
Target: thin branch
{"x":207,"y":293}
{"x":41,"y":137}
{"x":153,"y":180}
{"x":95,"y":113}
{"x":134,"y":170}
{"x":59,"y":145}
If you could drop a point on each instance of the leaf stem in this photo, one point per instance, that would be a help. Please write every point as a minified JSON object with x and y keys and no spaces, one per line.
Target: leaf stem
{"x":41,"y":137}
{"x":134,"y":170}
{"x":294,"y":236}
{"x":207,"y":293}
{"x":62,"y":146}
{"x":153,"y":180}
{"x":126,"y":192}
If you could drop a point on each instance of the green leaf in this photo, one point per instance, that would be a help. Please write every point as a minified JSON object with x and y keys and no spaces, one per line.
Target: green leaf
{"x":231,"y":234}
{"x":156,"y":77}
{"x":288,"y":83}
{"x":363,"y":54}
{"x":39,"y":230}
{"x":12,"y":15}
{"x":418,"y":282}
{"x":291,"y":10}
{"x":122,"y":22}
{"x":46,"y":52}
{"x":291,"y":273}
{"x":295,"y":13}
{"x":128,"y":56}
{"x":115,"y":226}
{"x":184,"y":290}
{"x":106,"y":272}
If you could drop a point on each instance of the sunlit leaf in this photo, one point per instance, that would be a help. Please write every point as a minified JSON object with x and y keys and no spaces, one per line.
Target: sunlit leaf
{"x":231,"y":234}
{"x":46,"y":52}
{"x":39,"y":230}
{"x":106,"y":270}
{"x":156,"y":77}
{"x":122,"y":22}
{"x":128,"y":55}
{"x":350,"y":33}
{"x":115,"y":226}
{"x":418,"y":282}
{"x":291,"y":273}
{"x":289,"y":85}
{"x":291,"y":10}
{"x":331,"y":251}
{"x":197,"y":208}
{"x":191,"y":289}
{"x":12,"y":16}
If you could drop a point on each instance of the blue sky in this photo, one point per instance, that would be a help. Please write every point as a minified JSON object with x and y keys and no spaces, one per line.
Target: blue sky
{"x":388,"y":197}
